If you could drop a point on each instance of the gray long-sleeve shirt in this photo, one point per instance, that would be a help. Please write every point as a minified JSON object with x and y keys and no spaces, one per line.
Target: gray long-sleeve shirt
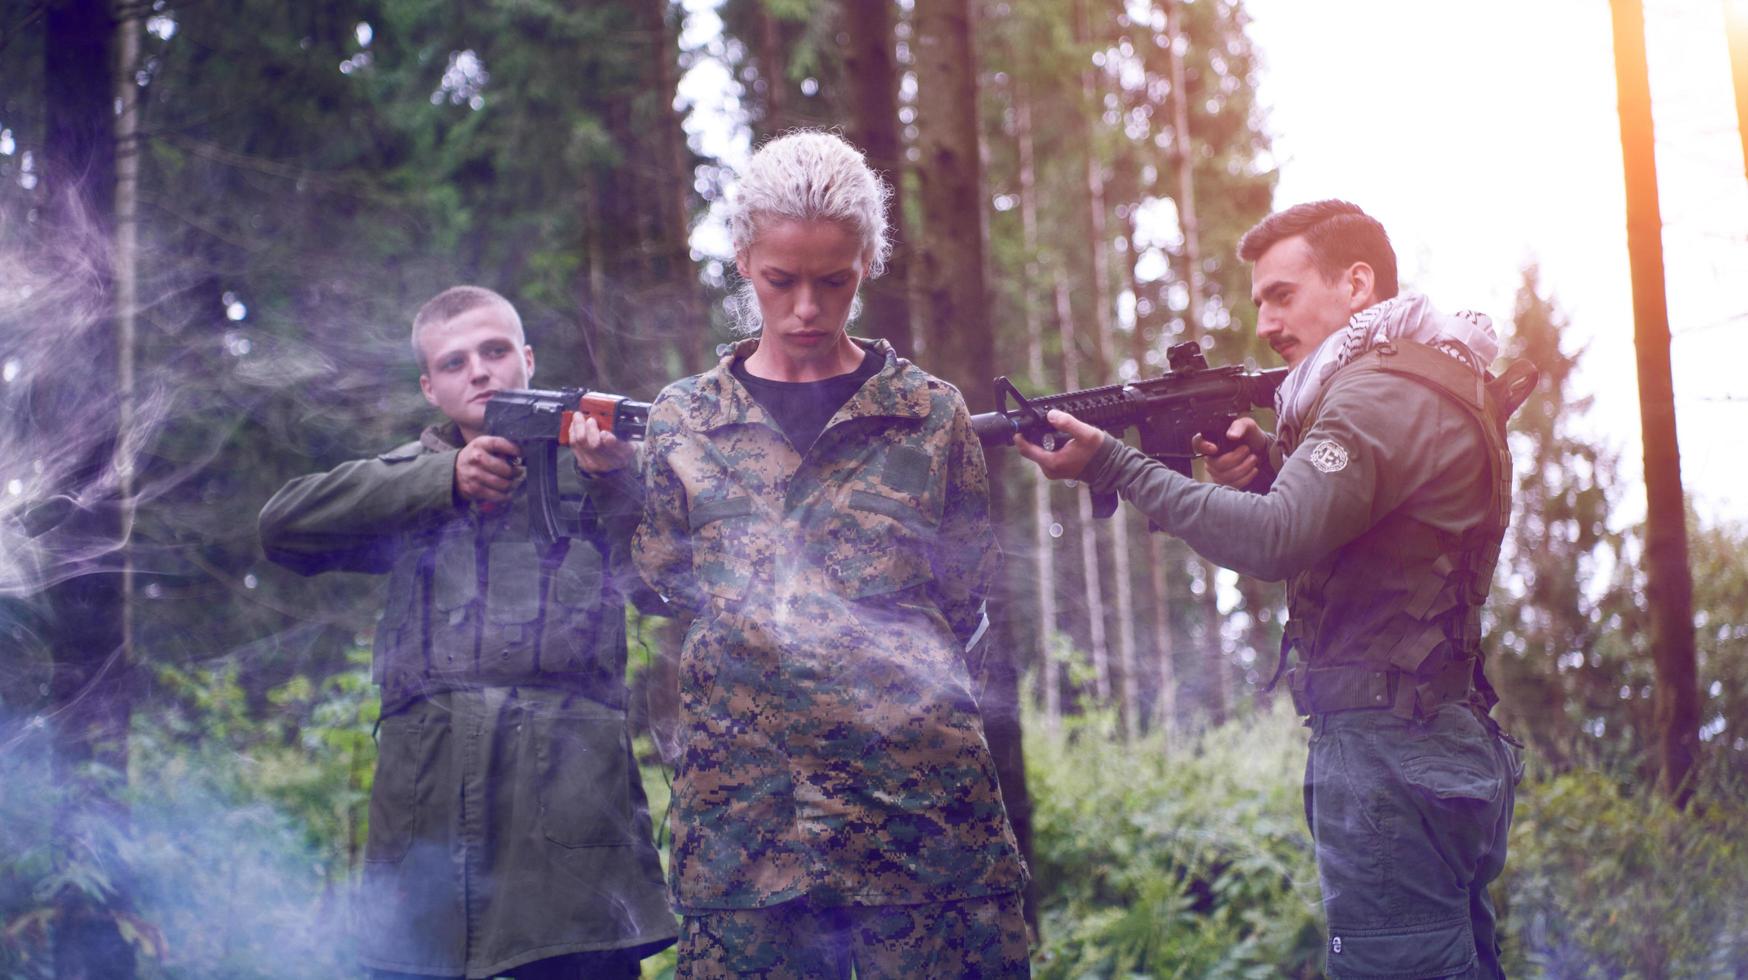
{"x":1379,"y":443}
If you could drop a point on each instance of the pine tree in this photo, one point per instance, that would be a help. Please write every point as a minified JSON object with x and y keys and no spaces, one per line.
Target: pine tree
{"x":1548,"y":658}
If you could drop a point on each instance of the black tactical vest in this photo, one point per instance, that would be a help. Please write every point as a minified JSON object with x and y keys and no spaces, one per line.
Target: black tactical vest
{"x":473,"y":602}
{"x":1392,"y":619}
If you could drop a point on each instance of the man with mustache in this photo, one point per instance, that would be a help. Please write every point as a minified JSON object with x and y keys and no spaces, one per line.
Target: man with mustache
{"x":1382,"y":501}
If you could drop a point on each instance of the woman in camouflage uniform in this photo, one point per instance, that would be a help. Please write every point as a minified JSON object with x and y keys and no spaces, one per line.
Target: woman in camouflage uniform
{"x":820,"y":507}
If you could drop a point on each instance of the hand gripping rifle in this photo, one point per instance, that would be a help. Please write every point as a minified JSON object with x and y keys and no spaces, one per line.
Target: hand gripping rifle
{"x":539,"y":422}
{"x":1169,"y":410}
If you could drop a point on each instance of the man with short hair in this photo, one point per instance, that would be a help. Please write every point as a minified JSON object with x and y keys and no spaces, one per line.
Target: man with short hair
{"x":1382,"y":503}
{"x":509,"y":832}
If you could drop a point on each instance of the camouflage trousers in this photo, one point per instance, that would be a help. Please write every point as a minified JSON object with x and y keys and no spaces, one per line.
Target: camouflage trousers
{"x":981,"y":938}
{"x":611,"y":964}
{"x":1410,"y":821}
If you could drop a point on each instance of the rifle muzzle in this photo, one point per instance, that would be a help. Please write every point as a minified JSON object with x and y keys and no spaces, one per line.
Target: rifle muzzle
{"x":994,"y":429}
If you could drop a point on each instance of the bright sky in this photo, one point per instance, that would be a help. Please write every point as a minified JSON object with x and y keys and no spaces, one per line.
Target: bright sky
{"x":1484,"y":135}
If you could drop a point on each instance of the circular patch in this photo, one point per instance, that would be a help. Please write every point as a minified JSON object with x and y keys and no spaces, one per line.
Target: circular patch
{"x":1329,"y":456}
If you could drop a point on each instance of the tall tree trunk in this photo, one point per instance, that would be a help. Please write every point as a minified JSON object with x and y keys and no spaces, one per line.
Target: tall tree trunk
{"x":676,"y":281}
{"x":1098,"y":249}
{"x":680,"y":304}
{"x":1259,"y":598}
{"x":1164,"y":670}
{"x":1214,"y":646}
{"x":1043,"y":520}
{"x":772,"y":59}
{"x":127,"y":186}
{"x":1669,"y":582}
{"x":958,"y":332}
{"x":1185,"y":164}
{"x":674,"y":273}
{"x":951,"y":265}
{"x":1164,"y":675}
{"x":1172,"y":579}
{"x":593,"y":304}
{"x":1103,"y":306}
{"x":871,"y":66}
{"x":88,"y":685}
{"x":1736,"y":28}
{"x":1091,"y":573}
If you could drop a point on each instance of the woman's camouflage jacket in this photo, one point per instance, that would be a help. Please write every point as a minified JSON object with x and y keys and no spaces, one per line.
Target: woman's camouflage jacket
{"x":831,"y":745}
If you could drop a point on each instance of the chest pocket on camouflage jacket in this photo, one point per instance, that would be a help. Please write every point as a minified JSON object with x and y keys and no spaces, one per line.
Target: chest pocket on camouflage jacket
{"x":878,"y":543}
{"x":726,"y":544}
{"x":880,"y":539}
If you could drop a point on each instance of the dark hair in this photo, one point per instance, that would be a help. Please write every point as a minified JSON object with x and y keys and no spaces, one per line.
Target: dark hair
{"x":1339,"y":234}
{"x":451,"y":303}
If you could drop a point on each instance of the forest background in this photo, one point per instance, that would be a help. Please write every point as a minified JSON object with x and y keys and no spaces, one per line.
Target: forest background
{"x":216,"y":217}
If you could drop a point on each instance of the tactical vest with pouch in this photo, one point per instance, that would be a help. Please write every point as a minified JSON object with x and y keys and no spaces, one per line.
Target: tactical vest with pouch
{"x":1392,"y":619}
{"x":473,"y":602}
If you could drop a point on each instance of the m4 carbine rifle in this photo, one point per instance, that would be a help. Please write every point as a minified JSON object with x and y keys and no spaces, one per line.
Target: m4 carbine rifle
{"x":1168,"y":411}
{"x":539,"y":422}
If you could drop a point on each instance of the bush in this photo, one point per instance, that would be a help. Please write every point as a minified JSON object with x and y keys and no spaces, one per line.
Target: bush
{"x":232,"y":847}
{"x":1173,"y":862}
{"x":1194,"y":861}
{"x":1608,"y":881}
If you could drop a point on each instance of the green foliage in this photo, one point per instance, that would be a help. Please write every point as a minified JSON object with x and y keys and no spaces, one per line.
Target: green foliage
{"x":1191,"y":861}
{"x":1569,"y":631}
{"x":310,"y":756}
{"x":1551,"y":643}
{"x":1161,"y":861}
{"x":232,"y":849}
{"x":36,"y":870}
{"x":246,"y":831}
{"x":1609,"y":880}
{"x":657,"y":785}
{"x":239,"y":838}
{"x":1720,"y":602}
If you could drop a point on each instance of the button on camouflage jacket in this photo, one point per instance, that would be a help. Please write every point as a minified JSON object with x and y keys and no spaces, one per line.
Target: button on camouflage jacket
{"x":831,"y":744}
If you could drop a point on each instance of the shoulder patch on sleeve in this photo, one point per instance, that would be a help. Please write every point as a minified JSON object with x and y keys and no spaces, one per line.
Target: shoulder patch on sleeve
{"x":1329,"y":456}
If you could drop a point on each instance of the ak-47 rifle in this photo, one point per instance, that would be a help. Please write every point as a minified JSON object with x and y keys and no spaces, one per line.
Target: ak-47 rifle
{"x":539,"y":422}
{"x":1168,"y":410}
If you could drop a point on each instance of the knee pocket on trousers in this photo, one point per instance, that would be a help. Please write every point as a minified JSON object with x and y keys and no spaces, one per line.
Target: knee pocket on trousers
{"x":1426,"y":952}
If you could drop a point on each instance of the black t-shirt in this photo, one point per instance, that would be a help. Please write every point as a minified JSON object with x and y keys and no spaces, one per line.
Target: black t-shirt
{"x":802,"y":408}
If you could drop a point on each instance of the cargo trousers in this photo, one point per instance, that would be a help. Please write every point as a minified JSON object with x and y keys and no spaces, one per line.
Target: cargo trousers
{"x":1410,"y":819}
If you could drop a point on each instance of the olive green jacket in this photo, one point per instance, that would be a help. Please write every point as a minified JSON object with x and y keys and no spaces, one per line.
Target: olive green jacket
{"x":831,"y":742}
{"x":485,"y":748}
{"x":1385,"y":515}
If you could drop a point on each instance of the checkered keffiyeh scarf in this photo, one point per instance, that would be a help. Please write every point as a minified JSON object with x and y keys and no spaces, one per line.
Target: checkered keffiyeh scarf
{"x":1407,"y":316}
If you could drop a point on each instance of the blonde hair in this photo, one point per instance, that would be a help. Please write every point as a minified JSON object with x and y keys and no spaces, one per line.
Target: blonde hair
{"x":451,"y":303}
{"x":807,"y":175}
